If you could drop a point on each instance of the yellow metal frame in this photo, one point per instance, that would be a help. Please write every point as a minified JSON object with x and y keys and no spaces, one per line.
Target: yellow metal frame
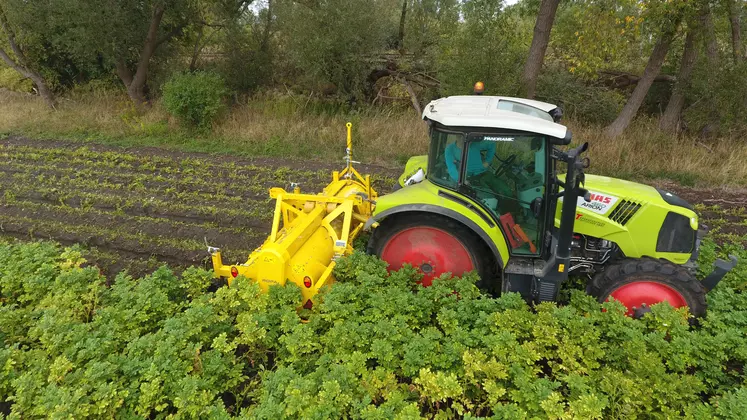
{"x":309,"y":232}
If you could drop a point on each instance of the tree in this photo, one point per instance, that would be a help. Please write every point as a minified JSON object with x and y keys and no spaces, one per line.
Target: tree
{"x":709,"y":39}
{"x":127,"y":35}
{"x":541,"y":38}
{"x":20,"y":61}
{"x":635,"y":100}
{"x":664,"y":19}
{"x":735,"y":13}
{"x":671,"y":117}
{"x":486,"y":46}
{"x":335,"y":43}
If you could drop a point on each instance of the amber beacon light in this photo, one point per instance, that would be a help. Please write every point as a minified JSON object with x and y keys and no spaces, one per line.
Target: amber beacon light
{"x":479,"y":88}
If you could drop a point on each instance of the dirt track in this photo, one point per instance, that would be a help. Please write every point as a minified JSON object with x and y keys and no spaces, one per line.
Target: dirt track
{"x":140,"y":207}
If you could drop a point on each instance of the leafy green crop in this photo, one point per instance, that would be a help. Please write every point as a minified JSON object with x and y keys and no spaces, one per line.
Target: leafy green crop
{"x":376,"y":346}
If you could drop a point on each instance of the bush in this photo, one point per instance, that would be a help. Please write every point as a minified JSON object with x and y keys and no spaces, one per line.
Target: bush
{"x":195,"y":99}
{"x":377,"y":345}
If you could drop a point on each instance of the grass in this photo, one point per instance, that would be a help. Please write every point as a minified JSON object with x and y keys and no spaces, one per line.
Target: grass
{"x":290,"y":127}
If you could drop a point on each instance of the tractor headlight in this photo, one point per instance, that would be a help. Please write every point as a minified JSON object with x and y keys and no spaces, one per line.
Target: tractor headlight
{"x":676,"y":234}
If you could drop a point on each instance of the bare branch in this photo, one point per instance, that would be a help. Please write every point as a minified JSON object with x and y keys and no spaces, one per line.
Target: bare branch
{"x":12,"y":41}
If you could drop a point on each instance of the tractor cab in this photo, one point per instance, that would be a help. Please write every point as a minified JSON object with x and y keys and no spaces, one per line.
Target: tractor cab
{"x":497,"y":151}
{"x":504,"y":171}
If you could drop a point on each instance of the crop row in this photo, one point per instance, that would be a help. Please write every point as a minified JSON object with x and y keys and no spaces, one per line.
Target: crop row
{"x":169,"y":249}
{"x":177,"y":204}
{"x":255,"y":185}
{"x":123,"y":219}
{"x":152,"y":165}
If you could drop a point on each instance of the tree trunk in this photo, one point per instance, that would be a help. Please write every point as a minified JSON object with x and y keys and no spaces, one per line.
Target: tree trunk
{"x":196,"y":50}
{"x":536,"y":56}
{"x":265,"y":46}
{"x":413,"y":97}
{"x":712,"y":58}
{"x":639,"y":93}
{"x":20,"y":64}
{"x":671,"y":117}
{"x":735,"y":12}
{"x":709,"y":32}
{"x":402,"y":20}
{"x":136,"y":84}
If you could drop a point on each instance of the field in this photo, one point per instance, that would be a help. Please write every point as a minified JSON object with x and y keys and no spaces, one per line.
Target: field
{"x":162,"y":343}
{"x":139,"y":208}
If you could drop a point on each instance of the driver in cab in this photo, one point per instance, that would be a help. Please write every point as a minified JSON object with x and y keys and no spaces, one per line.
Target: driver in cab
{"x":479,"y":156}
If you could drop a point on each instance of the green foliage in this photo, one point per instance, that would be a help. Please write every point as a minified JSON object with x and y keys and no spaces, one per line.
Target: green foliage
{"x":347,"y":35}
{"x":196,"y":99}
{"x":489,"y":46}
{"x":720,"y":98}
{"x":377,"y":345}
{"x":579,"y":99}
{"x":11,"y":80}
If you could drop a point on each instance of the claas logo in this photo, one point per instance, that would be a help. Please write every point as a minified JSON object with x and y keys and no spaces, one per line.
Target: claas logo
{"x":601,"y":198}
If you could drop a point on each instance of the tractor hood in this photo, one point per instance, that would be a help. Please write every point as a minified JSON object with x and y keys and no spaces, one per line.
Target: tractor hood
{"x":614,"y":189}
{"x":640,"y":219}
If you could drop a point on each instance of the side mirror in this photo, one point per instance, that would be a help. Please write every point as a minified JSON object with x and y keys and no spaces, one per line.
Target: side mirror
{"x":536,"y":207}
{"x":419,"y":176}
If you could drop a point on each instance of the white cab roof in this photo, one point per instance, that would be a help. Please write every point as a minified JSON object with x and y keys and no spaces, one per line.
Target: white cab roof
{"x":495,"y":112}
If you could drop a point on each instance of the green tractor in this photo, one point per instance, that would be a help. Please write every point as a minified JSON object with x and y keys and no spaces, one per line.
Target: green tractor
{"x":489,"y":197}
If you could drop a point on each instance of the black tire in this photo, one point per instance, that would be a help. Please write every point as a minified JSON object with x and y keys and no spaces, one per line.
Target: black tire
{"x":482,"y":258}
{"x":649,"y":270}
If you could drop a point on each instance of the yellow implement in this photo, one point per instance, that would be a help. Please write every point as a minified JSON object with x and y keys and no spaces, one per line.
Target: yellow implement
{"x":309,"y":232}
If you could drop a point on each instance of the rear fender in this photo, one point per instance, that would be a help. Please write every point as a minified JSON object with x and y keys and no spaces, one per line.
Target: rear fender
{"x":496,"y":243}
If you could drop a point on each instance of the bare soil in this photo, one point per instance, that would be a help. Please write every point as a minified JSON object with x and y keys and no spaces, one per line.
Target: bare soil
{"x":137,"y":208}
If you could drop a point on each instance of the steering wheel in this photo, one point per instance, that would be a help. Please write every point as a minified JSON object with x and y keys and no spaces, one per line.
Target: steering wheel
{"x":506,"y":164}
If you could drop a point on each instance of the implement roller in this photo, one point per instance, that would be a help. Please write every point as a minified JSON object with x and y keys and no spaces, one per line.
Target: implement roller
{"x":309,"y":232}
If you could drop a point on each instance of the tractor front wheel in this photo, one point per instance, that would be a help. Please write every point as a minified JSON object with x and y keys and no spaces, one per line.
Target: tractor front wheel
{"x":434,"y":244}
{"x":640,"y":283}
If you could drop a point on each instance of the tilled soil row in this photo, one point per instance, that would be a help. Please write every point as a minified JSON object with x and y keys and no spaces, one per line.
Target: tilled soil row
{"x":57,"y":190}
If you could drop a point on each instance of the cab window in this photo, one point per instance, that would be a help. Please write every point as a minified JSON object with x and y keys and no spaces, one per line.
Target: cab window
{"x":506,"y":173}
{"x":443,"y":162}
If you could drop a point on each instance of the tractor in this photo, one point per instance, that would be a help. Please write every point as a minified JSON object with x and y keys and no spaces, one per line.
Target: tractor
{"x":495,"y":194}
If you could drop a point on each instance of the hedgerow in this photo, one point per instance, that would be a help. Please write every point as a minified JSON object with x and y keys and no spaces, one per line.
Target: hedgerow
{"x":375,"y":345}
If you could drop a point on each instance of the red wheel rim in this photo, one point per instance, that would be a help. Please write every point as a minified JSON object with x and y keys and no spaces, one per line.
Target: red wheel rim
{"x":637,"y":293}
{"x":432,"y":250}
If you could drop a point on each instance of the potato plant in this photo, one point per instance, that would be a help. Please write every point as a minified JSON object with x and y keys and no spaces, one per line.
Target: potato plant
{"x":377,"y":345}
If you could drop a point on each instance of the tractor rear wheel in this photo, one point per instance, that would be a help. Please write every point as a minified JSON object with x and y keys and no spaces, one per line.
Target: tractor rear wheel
{"x":435,"y":245}
{"x":640,"y":283}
